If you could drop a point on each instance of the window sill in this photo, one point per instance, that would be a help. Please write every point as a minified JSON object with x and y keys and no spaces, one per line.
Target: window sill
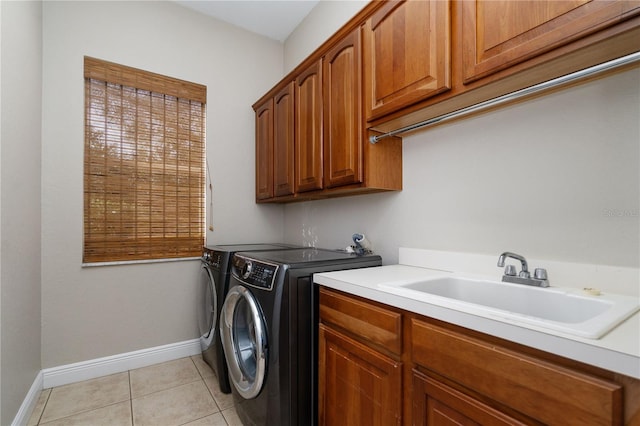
{"x":136,"y":262}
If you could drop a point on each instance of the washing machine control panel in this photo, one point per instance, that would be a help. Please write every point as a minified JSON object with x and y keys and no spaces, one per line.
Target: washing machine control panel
{"x":254,"y":273}
{"x":212,"y":257}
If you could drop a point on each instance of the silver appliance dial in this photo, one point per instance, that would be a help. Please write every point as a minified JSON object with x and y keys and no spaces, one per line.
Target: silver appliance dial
{"x":246,"y":269}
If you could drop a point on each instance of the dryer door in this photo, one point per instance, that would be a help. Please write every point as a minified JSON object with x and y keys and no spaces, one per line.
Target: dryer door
{"x":244,"y":338}
{"x":207,"y":306}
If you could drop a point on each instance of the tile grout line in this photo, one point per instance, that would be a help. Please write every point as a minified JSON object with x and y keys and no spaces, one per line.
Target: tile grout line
{"x":77,"y":413}
{"x":166,"y":389}
{"x":220,"y":410}
{"x":43,"y":407}
{"x":130,"y":396}
{"x":205,"y":384}
{"x":213,"y":398}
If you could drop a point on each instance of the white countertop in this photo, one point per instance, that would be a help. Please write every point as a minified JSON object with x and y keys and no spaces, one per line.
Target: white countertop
{"x":618,"y":350}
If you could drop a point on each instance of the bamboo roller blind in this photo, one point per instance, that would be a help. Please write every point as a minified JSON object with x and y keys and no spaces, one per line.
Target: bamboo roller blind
{"x":144,"y":174}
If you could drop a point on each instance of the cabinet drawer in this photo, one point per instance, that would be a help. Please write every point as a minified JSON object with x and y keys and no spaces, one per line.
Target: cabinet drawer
{"x":549,"y":393}
{"x":371,"y":322}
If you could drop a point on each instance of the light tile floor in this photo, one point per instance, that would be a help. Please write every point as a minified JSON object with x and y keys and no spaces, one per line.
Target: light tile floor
{"x":173,"y":393}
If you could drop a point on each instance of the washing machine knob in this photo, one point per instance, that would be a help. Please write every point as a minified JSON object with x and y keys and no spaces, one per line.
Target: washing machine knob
{"x":206,"y":256}
{"x":246,"y":269}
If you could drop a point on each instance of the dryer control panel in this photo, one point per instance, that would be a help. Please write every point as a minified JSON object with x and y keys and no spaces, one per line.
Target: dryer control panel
{"x":254,"y":273}
{"x":212,"y":257}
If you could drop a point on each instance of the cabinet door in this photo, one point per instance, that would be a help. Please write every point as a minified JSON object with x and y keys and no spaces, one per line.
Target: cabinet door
{"x":283,"y":142}
{"x":357,"y":385}
{"x":436,"y":404}
{"x":264,"y":151}
{"x":407,"y":54}
{"x":497,"y":34}
{"x":308,"y":129}
{"x":343,"y":124}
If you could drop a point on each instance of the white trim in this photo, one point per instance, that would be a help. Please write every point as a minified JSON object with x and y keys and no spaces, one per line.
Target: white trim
{"x":24,"y":413}
{"x":85,"y":370}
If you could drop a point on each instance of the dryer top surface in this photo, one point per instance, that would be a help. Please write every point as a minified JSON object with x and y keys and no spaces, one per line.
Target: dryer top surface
{"x":305,"y":256}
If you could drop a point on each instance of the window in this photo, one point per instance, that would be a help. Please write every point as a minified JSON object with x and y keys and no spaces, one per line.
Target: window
{"x":143,"y":165}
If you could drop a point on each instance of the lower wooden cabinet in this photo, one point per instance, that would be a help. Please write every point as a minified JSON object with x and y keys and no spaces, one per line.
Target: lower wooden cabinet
{"x":544,"y":391}
{"x":436,"y":404}
{"x":359,"y":367}
{"x":379,"y":365}
{"x":358,"y":385}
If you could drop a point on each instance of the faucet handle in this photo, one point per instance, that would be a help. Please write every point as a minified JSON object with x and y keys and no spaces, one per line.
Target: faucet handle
{"x":540,"y":274}
{"x":510,"y":270}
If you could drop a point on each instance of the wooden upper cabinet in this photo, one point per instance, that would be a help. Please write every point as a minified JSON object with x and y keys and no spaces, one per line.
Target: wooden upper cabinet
{"x":308,"y":129}
{"x":343,"y":126}
{"x":497,"y":34}
{"x":407,"y":54}
{"x":264,"y":150}
{"x":283,"y":142}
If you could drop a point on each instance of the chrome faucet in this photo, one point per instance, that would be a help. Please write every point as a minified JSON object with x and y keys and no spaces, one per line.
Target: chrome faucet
{"x":539,"y":279}
{"x":525,"y":268}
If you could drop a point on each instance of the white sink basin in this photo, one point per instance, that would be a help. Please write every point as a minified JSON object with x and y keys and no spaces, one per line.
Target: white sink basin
{"x":566,"y":310}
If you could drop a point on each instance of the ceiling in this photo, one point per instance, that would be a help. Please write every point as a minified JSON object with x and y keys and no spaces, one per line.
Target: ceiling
{"x":275,"y":19}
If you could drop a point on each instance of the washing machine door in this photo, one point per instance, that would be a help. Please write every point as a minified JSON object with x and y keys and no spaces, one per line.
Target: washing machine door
{"x":207,"y":307}
{"x":244,"y":338}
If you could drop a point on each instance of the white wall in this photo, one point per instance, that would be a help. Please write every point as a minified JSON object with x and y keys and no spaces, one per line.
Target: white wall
{"x":21,"y":77}
{"x":94,"y":312}
{"x":556,"y":177}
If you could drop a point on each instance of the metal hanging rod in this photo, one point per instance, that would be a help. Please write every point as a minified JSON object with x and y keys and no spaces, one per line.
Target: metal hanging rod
{"x":596,"y":69}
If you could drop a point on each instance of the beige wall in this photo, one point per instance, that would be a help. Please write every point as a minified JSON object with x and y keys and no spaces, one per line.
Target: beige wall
{"x":94,"y":312}
{"x":21,"y":72}
{"x":556,"y":177}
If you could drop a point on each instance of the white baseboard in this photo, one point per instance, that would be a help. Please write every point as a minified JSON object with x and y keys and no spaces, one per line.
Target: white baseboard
{"x":29,"y":403}
{"x":99,"y":367}
{"x":85,"y":370}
